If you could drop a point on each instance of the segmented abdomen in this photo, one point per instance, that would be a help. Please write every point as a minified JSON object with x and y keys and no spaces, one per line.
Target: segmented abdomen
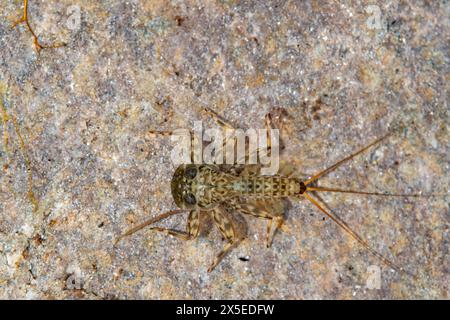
{"x":267,"y":187}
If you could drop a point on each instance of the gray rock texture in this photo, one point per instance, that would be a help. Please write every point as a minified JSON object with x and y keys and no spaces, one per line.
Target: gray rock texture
{"x":78,"y":166}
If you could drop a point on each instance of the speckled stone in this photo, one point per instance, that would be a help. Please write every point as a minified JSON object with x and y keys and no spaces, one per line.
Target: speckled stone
{"x":78,"y":166}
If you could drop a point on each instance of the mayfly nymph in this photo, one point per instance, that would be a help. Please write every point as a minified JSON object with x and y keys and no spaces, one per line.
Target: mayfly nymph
{"x":217,"y":190}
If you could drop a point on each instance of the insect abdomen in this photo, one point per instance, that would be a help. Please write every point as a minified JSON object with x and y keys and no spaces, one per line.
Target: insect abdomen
{"x":268,"y":187}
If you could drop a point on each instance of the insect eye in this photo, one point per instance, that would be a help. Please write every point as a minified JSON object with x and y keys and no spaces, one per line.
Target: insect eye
{"x":189,"y":198}
{"x":190,"y":172}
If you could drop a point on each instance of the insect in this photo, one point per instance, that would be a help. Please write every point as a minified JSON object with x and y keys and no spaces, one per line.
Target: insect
{"x":217,"y":190}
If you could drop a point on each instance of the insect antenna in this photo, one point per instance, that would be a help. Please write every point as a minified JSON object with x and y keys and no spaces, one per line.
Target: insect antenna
{"x":341,"y":223}
{"x":148,"y":222}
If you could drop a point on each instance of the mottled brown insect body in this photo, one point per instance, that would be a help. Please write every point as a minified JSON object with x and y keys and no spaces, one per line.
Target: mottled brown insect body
{"x":207,"y":186}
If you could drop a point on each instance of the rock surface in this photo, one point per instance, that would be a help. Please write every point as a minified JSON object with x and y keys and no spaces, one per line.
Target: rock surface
{"x":78,"y":166}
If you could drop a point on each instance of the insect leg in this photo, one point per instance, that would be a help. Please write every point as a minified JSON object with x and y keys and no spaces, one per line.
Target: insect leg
{"x":225,"y":227}
{"x":192,"y":228}
{"x":216,"y":117}
{"x":278,"y":221}
{"x":148,"y":222}
{"x":264,"y":209}
{"x":227,"y":125}
{"x":276,"y":119}
{"x":155,"y":133}
{"x":269,"y":125}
